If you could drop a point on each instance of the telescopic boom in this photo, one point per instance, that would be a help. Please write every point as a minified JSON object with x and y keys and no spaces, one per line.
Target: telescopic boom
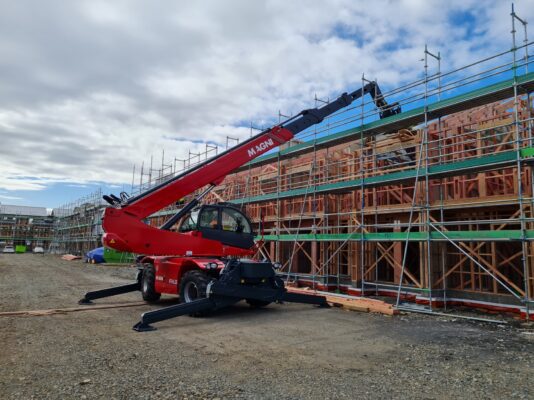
{"x":213,"y":170}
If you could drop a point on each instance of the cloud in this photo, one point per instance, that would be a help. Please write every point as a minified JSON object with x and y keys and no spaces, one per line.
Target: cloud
{"x":3,"y":196}
{"x":13,"y":183}
{"x":89,"y":88}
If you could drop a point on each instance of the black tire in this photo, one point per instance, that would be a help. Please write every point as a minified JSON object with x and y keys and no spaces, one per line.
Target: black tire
{"x":148,"y":281}
{"x":193,"y":286}
{"x":254,"y":303}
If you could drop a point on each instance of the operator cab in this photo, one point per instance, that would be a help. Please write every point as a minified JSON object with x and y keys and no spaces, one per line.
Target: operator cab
{"x":222,"y":222}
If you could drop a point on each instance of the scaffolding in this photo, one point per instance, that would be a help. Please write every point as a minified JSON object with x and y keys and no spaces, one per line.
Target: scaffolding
{"x":433,"y":206}
{"x":78,"y":225}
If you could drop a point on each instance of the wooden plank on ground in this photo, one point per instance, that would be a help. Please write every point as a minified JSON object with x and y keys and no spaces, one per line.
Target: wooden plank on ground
{"x":352,"y":303}
{"x":52,"y":311}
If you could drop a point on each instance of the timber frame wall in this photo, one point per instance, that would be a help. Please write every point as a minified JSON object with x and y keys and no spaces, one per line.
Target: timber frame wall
{"x":329,"y":233}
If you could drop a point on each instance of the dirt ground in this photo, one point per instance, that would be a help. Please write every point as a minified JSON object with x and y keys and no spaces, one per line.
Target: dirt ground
{"x":280,"y":352}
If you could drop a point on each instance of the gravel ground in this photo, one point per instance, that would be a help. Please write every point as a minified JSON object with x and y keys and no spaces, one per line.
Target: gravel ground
{"x":280,"y":352}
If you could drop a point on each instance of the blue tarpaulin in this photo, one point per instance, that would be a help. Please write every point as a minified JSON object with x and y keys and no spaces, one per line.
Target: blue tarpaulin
{"x":95,"y":256}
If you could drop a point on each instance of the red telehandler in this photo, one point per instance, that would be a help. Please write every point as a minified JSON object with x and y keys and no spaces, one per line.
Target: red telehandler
{"x":205,"y":258}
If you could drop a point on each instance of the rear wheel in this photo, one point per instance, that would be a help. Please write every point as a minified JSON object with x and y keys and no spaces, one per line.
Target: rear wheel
{"x":193,"y":286}
{"x":148,"y":281}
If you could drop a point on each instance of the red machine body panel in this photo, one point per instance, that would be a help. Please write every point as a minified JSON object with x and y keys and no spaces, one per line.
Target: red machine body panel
{"x":169,"y":270}
{"x":129,"y":234}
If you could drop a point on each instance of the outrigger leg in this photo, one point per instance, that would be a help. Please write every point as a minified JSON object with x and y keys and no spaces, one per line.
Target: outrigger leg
{"x":98,"y":294}
{"x":219,"y":299}
{"x":305,"y":299}
{"x":229,"y":290}
{"x":194,"y":307}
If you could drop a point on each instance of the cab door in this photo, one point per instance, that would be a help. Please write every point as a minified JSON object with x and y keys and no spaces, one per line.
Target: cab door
{"x":227,"y":225}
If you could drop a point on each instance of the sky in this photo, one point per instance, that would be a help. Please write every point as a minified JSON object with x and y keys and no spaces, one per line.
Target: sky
{"x":90,"y":88}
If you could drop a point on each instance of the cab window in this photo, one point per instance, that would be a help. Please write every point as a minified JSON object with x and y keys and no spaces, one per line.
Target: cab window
{"x":209,"y":218}
{"x":233,"y":221}
{"x":190,"y":222}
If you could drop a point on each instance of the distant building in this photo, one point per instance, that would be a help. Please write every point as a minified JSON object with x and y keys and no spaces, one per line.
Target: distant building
{"x":25,"y":226}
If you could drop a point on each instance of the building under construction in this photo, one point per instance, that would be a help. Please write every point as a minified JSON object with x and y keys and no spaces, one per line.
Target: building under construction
{"x":433,"y":206}
{"x":25,"y":227}
{"x":78,"y":225}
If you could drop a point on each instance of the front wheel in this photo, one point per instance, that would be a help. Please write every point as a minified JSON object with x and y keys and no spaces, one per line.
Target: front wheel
{"x":148,"y":281}
{"x":193,"y":286}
